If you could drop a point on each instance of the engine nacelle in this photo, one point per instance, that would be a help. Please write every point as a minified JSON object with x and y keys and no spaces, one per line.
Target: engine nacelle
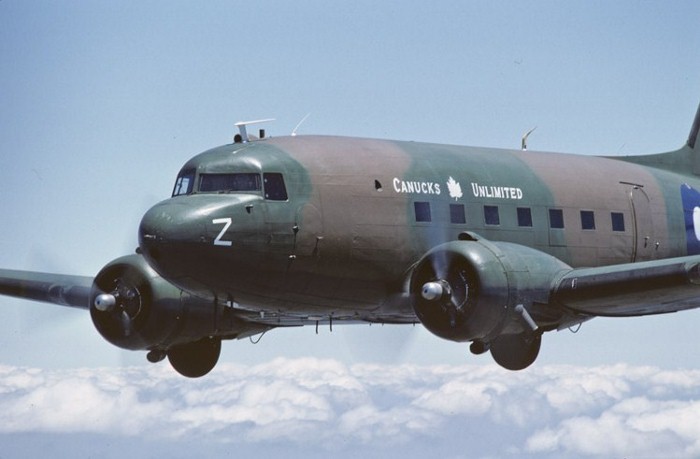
{"x":134,"y":308}
{"x":467,"y":290}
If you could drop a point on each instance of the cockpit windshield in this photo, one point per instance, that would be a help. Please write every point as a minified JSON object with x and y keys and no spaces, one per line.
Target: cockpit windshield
{"x":246,"y":182}
{"x":229,"y":182}
{"x":184,"y":183}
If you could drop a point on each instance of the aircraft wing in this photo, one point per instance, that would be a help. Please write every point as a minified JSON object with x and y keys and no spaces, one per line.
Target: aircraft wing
{"x":73,"y":291}
{"x":634,"y":289}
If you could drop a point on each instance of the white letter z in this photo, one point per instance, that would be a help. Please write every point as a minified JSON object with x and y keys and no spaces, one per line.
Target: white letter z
{"x":226,"y":222}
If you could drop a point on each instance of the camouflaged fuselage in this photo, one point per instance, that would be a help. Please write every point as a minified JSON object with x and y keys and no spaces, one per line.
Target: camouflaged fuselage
{"x":357,"y":215}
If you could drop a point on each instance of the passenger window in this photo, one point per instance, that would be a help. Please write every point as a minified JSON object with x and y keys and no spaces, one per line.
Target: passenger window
{"x":457,"y":214}
{"x":491,"y":216}
{"x":274,"y":187}
{"x":524,"y":216}
{"x":229,"y":182}
{"x":587,"y":220}
{"x":422,"y":211}
{"x":184,"y":183}
{"x":618,"y":221}
{"x":556,"y":218}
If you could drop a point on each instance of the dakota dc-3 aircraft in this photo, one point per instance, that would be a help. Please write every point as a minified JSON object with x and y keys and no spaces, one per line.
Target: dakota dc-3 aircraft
{"x":488,"y":246}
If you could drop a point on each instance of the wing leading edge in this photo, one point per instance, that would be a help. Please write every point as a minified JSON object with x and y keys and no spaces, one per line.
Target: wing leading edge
{"x":64,"y":290}
{"x":634,"y":289}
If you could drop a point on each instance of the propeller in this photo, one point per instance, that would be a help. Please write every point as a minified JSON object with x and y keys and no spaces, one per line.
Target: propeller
{"x":450,"y":288}
{"x":124,"y":301}
{"x":446,"y":287}
{"x":435,"y":280}
{"x":120,"y":297}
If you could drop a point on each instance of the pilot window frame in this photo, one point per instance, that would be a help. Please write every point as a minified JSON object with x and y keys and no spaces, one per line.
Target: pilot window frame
{"x":492,"y":216}
{"x":274,"y":187}
{"x":230,"y":182}
{"x":587,"y":220}
{"x":422,"y":212}
{"x":617,"y":222}
{"x":524,"y":215}
{"x":184,"y":179}
{"x":458,"y":214}
{"x":556,"y":218}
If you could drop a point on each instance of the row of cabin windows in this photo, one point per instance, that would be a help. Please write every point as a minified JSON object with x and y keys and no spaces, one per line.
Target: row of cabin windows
{"x":524,"y":214}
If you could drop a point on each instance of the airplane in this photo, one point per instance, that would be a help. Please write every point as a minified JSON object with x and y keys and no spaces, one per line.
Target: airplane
{"x":485,"y":246}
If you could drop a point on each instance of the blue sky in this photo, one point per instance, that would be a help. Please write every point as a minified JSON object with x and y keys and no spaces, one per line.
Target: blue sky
{"x":102,"y":102}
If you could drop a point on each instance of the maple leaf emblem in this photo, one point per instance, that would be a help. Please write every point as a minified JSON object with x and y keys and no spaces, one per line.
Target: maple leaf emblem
{"x":454,"y":188}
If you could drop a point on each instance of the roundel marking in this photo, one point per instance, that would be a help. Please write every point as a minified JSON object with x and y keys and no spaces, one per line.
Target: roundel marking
{"x":696,"y":222}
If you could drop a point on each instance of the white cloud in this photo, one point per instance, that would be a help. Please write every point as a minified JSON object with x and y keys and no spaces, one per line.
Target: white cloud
{"x":314,"y":406}
{"x":573,"y":391}
{"x":459,"y":397}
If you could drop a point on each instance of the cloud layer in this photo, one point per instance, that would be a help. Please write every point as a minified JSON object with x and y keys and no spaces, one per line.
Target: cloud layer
{"x":311,"y":407}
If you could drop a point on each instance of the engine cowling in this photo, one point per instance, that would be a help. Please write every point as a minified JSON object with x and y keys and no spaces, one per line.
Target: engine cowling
{"x":467,"y":290}
{"x":134,"y":308}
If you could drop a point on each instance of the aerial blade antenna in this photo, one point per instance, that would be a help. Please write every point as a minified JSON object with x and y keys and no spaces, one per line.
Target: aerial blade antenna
{"x":523,"y":142}
{"x":294,"y":132}
{"x":243,"y":131}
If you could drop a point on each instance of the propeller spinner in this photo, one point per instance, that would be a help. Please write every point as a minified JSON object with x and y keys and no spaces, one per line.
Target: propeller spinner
{"x":436,"y":290}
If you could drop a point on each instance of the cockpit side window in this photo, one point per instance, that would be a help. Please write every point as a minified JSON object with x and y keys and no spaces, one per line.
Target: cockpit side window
{"x":274,"y":186}
{"x":184,"y":183}
{"x":229,"y":182}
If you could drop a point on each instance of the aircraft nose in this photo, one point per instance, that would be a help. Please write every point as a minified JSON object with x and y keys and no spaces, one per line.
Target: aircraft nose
{"x":179,"y":236}
{"x":173,"y":227}
{"x":165,"y":224}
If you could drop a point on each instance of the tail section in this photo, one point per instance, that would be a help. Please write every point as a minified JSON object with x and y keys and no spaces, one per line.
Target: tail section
{"x":692,"y":143}
{"x":683,"y":161}
{"x":694,"y":131}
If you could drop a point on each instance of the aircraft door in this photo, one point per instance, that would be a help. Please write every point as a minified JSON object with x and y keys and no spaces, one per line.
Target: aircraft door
{"x":279,"y":212}
{"x":309,"y":229}
{"x":643,"y":245}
